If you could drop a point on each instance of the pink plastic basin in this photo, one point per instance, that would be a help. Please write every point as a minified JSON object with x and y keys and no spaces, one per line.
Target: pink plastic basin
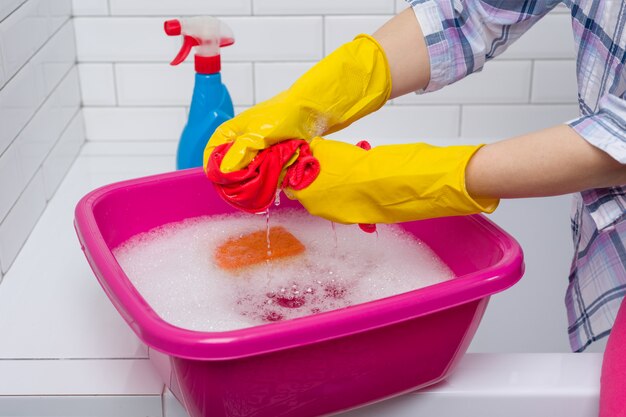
{"x":311,"y":366}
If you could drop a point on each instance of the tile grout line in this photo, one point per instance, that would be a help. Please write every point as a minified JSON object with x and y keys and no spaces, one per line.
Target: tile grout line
{"x":254,"y":94}
{"x":46,"y":200}
{"x":115,"y":92}
{"x":323,"y":36}
{"x":46,"y":156}
{"x":30,"y":119}
{"x":30,"y":58}
{"x":19,"y":6}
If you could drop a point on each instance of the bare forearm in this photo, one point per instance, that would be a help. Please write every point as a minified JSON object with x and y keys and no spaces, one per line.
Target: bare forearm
{"x":405,"y":48}
{"x":549,"y":162}
{"x":553,"y":161}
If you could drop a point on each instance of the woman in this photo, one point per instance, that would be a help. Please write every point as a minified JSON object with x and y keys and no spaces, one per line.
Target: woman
{"x":424,"y":48}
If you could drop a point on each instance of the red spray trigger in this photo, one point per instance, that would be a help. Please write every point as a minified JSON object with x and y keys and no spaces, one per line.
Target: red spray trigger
{"x":188,"y":43}
{"x":204,"y":32}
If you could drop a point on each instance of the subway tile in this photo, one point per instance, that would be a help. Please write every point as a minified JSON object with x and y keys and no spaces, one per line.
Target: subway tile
{"x":502,"y":121}
{"x":401,"y":5}
{"x":498,"y":82}
{"x":120,"y":123}
{"x":106,"y":377}
{"x":550,"y":38}
{"x":141,"y":39}
{"x":97,"y":85}
{"x":59,"y":12}
{"x":90,"y":7}
{"x":42,"y":132}
{"x":561,"y":8}
{"x":130,"y":148}
{"x":341,"y":29}
{"x":82,"y":405}
{"x":19,"y":100}
{"x":55,"y":59}
{"x":166,"y":85}
{"x":289,"y":7}
{"x":9,"y":6}
{"x":11,"y":182}
{"x":22,"y":34}
{"x":272,"y":78}
{"x":180,"y":7}
{"x":63,"y":155}
{"x":275,"y":39}
{"x":554,"y":82}
{"x":123,"y":39}
{"x":17,"y":225}
{"x":403,"y":124}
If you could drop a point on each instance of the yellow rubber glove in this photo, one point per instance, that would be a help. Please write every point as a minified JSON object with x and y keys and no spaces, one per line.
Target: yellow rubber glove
{"x":389,"y":184}
{"x":348,"y":84}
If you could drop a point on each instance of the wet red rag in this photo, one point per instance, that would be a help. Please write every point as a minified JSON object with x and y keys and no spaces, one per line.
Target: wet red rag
{"x":253,"y":188}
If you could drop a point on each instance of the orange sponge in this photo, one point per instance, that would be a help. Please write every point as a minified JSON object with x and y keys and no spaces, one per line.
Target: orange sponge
{"x":251,"y":249}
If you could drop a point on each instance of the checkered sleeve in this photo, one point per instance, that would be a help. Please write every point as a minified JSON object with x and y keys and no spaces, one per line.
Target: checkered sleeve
{"x":606,"y":127}
{"x":462,"y":34}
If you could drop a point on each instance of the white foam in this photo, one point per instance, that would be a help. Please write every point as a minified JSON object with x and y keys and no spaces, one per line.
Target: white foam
{"x":172,"y":268}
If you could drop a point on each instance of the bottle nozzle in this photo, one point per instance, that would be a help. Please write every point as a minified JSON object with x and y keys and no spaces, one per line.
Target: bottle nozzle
{"x":205,"y":32}
{"x":172,"y":27}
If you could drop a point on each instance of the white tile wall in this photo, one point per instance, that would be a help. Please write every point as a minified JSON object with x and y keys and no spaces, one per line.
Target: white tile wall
{"x":38,"y":137}
{"x":141,"y":39}
{"x":137,"y":123}
{"x":404,"y":124}
{"x":179,"y":7}
{"x":22,"y":33}
{"x":341,"y":29}
{"x":272,"y":78}
{"x":498,"y":82}
{"x":498,"y":121}
{"x":401,"y":5}
{"x":290,"y":7}
{"x":90,"y":7}
{"x":11,"y":182}
{"x":21,"y":96}
{"x":82,"y":405}
{"x":39,"y":96}
{"x":554,"y":82}
{"x":123,"y":56}
{"x":550,"y":38}
{"x":97,"y":84}
{"x":16,"y":226}
{"x":19,"y":100}
{"x":163,"y":84}
{"x":8,"y":6}
{"x":63,"y":155}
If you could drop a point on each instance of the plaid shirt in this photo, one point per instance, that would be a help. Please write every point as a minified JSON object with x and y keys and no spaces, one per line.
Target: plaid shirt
{"x":462,"y":34}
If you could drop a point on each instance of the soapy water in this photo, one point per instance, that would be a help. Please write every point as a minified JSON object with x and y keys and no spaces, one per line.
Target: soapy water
{"x":172,"y":267}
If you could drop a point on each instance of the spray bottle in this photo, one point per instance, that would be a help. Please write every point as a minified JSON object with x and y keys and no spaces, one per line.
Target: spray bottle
{"x":211,"y":104}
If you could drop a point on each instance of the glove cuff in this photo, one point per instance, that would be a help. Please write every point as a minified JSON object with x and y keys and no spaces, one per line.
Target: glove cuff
{"x":482,"y":204}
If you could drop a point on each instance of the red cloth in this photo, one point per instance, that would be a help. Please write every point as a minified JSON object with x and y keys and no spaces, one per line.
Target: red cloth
{"x":253,"y":189}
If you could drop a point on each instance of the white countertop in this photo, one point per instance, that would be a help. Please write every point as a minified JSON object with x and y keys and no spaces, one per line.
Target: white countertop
{"x":66,"y":351}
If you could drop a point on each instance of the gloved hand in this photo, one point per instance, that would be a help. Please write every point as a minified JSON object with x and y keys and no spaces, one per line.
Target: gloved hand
{"x":389,"y":184}
{"x":348,"y":84}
